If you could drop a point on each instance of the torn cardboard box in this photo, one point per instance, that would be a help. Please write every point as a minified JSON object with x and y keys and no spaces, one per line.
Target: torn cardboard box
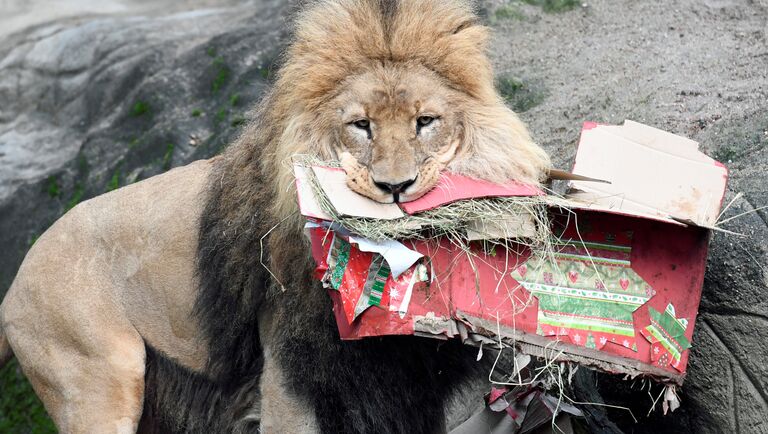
{"x":617,"y":290}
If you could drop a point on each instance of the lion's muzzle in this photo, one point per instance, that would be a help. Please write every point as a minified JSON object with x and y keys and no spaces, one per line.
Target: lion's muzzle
{"x":394,"y":189}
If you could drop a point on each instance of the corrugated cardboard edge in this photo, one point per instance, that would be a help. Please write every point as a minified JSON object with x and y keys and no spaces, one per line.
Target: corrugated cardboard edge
{"x":347,"y":202}
{"x":546,"y":348}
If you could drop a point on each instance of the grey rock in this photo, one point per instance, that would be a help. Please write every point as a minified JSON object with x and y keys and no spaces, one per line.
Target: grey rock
{"x":89,"y":104}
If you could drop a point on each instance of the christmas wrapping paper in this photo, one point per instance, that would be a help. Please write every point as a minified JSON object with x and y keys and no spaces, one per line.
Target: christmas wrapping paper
{"x":606,"y":289}
{"x":619,"y":292}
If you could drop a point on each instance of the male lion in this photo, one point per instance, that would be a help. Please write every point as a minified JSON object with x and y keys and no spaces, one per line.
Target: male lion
{"x":149,"y":307}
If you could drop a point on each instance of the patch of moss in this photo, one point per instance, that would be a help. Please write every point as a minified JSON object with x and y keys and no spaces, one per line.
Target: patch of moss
{"x":508,"y":86}
{"x":133,"y":142}
{"x":82,"y":164}
{"x":222,"y":74}
{"x":52,"y":187}
{"x":211,"y":51}
{"x":140,"y":108}
{"x":114,"y":181}
{"x":234,"y":99}
{"x":168,"y":156}
{"x":237,"y":121}
{"x":554,"y":6}
{"x":728,"y":153}
{"x":221,"y":115}
{"x":741,"y":142}
{"x":20,"y":409}
{"x":517,"y":94}
{"x":77,"y":196}
{"x":508,"y":12}
{"x":196,"y":113}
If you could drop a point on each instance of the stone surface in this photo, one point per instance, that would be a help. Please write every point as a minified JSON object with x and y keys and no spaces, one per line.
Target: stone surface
{"x":99,"y":98}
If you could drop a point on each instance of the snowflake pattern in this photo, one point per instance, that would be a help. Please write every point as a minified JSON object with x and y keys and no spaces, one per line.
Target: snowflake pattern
{"x":394,"y":293}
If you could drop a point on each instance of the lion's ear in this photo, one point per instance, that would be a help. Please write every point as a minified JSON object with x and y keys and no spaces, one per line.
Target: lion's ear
{"x":496,"y":146}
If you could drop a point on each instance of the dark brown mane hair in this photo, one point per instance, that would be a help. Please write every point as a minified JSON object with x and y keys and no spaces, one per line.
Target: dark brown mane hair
{"x":394,"y":384}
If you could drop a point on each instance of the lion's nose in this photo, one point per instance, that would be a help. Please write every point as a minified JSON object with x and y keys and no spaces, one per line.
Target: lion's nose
{"x":395,"y":189}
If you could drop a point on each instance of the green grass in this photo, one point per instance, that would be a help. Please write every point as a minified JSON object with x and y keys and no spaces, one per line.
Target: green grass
{"x":52,"y":187}
{"x":508,"y":12}
{"x":237,"y":121}
{"x":140,"y":108}
{"x":517,"y":94}
{"x":554,"y":6}
{"x":77,"y":196}
{"x":196,"y":113}
{"x":168,"y":156}
{"x":222,"y":74}
{"x":234,"y":99}
{"x":221,"y":115}
{"x":82,"y":164}
{"x":114,"y":182}
{"x":728,"y":153}
{"x":21,"y":412}
{"x":133,"y":142}
{"x":508,"y":86}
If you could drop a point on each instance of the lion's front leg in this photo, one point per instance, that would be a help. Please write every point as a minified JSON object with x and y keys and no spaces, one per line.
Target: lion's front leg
{"x":281,"y":411}
{"x":91,"y":380}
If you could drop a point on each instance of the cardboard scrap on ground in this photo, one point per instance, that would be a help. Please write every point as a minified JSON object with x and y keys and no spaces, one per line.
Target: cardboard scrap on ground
{"x":620,"y":292}
{"x":520,"y":410}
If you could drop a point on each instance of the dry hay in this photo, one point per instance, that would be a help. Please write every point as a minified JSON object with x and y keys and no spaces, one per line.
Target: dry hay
{"x":452,"y":221}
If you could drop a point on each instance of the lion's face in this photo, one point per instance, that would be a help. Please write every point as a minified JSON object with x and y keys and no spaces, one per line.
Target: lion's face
{"x":396,"y":129}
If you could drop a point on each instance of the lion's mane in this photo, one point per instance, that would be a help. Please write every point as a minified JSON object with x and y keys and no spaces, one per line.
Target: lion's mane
{"x":336,"y":39}
{"x":250,"y":229}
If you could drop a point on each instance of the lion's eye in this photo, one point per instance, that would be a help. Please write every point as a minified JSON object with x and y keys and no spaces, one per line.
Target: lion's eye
{"x":363,"y":124}
{"x":423,"y":121}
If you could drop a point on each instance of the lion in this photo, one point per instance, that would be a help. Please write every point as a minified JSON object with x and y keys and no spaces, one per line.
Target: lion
{"x":186,"y":303}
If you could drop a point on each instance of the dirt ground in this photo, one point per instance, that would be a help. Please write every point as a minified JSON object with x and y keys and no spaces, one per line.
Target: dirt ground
{"x":695,"y":68}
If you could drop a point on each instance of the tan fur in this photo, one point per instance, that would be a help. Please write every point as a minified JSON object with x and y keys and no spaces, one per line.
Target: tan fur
{"x":332,"y":47}
{"x":119,"y":270}
{"x":112,"y":273}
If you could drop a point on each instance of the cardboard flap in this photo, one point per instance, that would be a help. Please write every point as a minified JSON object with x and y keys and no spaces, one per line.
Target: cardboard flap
{"x":308,"y":205}
{"x":650,"y":173}
{"x":450,"y":188}
{"x":453,"y":187}
{"x":347,"y":202}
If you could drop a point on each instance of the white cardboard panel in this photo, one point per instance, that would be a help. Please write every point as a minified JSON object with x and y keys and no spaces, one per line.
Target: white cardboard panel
{"x":650,"y":172}
{"x":347,"y":202}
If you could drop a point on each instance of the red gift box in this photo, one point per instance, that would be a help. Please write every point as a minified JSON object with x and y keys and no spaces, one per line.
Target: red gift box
{"x":619,"y":292}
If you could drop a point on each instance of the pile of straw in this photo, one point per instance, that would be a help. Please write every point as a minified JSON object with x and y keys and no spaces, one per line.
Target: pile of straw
{"x":452,"y":220}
